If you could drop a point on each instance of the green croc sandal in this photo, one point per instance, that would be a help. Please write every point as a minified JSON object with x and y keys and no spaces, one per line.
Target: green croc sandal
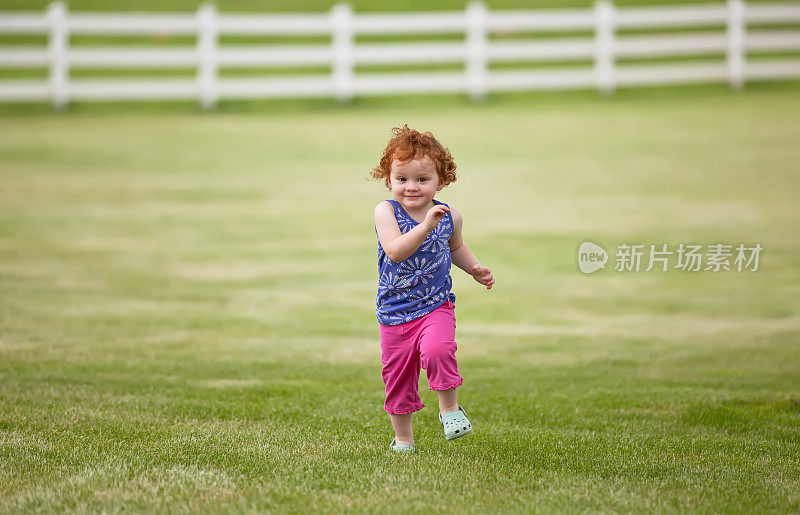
{"x":455,"y":423}
{"x":402,"y":447}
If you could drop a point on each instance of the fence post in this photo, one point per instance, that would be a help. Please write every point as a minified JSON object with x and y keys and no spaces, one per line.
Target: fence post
{"x":207,"y":65}
{"x":58,"y":54}
{"x":343,"y":37}
{"x":477,"y":59}
{"x":735,"y":37}
{"x":604,"y":46}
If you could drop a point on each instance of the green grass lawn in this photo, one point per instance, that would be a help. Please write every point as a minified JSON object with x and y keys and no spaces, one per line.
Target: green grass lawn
{"x":187,"y":308}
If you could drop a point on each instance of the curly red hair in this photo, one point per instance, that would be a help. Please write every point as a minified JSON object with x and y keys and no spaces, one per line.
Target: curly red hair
{"x":407,"y":144}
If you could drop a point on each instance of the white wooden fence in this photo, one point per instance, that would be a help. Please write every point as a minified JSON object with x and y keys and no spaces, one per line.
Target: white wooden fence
{"x":740,"y":28}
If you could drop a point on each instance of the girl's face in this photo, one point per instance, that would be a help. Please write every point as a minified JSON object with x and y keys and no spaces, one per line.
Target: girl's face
{"x":414,"y":183}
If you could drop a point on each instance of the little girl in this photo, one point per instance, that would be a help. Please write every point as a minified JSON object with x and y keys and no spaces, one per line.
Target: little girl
{"x":418,"y":238}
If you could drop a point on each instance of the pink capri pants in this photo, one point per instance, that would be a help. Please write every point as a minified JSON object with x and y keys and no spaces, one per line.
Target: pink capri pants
{"x":428,"y":341}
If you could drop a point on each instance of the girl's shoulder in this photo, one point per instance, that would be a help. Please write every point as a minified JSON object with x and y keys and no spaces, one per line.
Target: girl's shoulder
{"x":384,"y":209}
{"x":454,"y":214}
{"x":386,"y":205}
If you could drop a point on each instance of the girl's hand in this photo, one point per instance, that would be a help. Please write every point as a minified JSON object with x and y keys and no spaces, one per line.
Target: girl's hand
{"x":483,"y":275}
{"x":434,"y":216}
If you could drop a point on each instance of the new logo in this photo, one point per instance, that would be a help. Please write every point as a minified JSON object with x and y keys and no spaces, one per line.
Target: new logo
{"x":591,"y":257}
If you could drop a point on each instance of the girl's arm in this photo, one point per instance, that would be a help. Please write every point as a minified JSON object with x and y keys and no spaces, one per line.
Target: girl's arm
{"x":461,"y":255}
{"x":395,"y":244}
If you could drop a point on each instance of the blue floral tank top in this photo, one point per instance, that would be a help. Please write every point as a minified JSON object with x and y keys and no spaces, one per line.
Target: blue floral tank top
{"x":420,"y":283}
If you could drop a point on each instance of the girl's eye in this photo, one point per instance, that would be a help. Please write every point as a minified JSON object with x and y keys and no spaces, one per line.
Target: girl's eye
{"x":423,"y":179}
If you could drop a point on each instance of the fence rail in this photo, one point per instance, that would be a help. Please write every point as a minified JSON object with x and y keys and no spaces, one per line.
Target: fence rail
{"x":599,"y":53}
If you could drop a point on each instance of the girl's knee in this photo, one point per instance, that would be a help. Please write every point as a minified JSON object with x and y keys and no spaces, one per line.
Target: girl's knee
{"x":438,"y":352}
